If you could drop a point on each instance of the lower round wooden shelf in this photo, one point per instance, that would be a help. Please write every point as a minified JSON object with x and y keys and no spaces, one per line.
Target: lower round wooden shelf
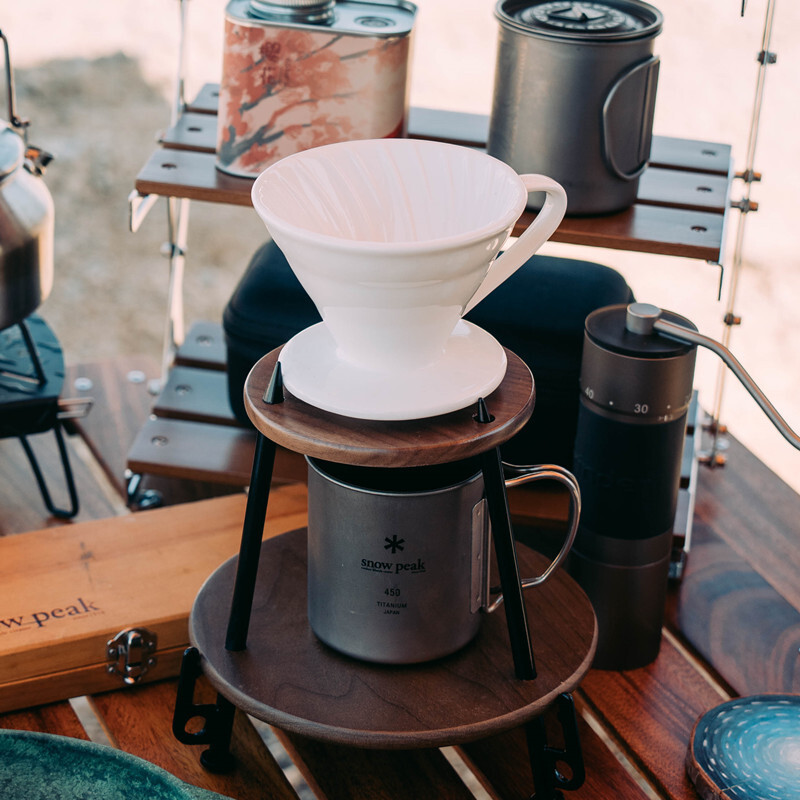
{"x":288,"y":678}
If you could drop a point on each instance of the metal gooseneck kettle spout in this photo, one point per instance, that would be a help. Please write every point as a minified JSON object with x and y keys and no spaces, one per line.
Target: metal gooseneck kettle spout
{"x":645,"y":319}
{"x":636,"y":383}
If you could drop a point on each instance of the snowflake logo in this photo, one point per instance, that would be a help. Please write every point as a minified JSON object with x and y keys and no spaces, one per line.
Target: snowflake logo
{"x":394,"y":544}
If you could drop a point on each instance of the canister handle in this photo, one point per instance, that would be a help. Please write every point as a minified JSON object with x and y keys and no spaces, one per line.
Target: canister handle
{"x":528,"y":474}
{"x":645,"y":131}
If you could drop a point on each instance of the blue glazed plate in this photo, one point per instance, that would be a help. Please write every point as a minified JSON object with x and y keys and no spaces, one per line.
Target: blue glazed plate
{"x":748,"y":749}
{"x":41,"y":766}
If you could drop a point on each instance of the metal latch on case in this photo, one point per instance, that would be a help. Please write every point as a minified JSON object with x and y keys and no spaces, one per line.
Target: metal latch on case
{"x":131,"y":654}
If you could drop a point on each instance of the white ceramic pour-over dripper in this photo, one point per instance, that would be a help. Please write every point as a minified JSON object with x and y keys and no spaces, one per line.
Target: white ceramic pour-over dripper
{"x":394,"y":239}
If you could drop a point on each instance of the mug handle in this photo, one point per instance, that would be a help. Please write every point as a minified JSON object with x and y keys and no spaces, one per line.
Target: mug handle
{"x":534,"y":236}
{"x":556,"y":473}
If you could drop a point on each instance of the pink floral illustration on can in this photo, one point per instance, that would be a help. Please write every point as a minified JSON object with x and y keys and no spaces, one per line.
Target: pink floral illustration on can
{"x":289,"y":89}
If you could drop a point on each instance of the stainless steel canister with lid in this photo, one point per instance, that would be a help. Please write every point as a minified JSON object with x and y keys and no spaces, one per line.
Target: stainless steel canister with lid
{"x":574,"y":96}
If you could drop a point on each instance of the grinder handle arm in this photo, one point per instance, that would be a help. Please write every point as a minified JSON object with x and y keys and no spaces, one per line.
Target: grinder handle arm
{"x":644,"y":318}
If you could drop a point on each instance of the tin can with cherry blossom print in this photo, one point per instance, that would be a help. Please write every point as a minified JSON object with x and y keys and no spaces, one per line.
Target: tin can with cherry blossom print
{"x":301,"y":73}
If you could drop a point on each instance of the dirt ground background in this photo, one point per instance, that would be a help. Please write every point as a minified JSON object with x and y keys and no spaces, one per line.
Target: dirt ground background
{"x":95,"y":77}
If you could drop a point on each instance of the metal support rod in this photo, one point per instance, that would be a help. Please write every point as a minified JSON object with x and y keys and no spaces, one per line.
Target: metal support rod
{"x":548,"y":780}
{"x":179,"y":98}
{"x":253,"y":527}
{"x":218,"y":757}
{"x":138,"y":208}
{"x":38,"y":369}
{"x":749,"y":175}
{"x":59,"y":513}
{"x":250,"y":548}
{"x":217,"y":717}
{"x":177,"y":227}
{"x":544,"y":778}
{"x":506,"y":554}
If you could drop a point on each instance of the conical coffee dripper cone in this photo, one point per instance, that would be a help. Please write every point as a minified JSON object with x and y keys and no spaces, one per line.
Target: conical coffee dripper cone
{"x":393,"y":239}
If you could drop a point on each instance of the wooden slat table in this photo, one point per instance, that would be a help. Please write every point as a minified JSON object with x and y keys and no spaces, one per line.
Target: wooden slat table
{"x":733,"y":628}
{"x":635,"y":726}
{"x":681,"y":210}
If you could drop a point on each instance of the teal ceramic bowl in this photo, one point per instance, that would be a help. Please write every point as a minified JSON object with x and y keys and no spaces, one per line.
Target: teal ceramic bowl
{"x":40,"y":766}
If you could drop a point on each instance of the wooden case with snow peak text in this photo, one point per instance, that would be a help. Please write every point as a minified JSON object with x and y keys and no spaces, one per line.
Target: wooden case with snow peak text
{"x":91,"y":606}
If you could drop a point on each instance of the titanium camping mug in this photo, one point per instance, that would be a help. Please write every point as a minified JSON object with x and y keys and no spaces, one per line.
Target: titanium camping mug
{"x":398,"y":559}
{"x":574,"y":96}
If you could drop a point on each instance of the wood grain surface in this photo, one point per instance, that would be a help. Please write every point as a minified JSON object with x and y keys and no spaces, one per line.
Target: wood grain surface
{"x":303,"y":428}
{"x":312,"y":690}
{"x":737,"y":619}
{"x":56,"y":718}
{"x":192,"y":450}
{"x":652,"y":228}
{"x":335,"y":772}
{"x":501,"y":761}
{"x":23,"y":508}
{"x":140,"y":723}
{"x":654,"y":707}
{"x":680,"y":209}
{"x":646,"y":229}
{"x":199,"y":395}
{"x":68,"y":591}
{"x":203,"y":347}
{"x":747,"y":503}
{"x":742,"y":551}
{"x":677,"y":189}
{"x":122,"y":401}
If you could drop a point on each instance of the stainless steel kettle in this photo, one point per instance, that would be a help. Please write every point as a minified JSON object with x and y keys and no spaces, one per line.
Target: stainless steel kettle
{"x":26,"y":217}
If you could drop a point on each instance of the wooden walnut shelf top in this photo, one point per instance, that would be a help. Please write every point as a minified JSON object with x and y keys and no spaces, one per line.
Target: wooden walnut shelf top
{"x":303,"y":428}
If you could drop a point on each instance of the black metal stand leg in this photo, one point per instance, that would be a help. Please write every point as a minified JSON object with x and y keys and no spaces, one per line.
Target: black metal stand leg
{"x":253,"y":528}
{"x":544,"y":778}
{"x":61,"y":513}
{"x":548,"y":780}
{"x":250,"y":548}
{"x":218,"y":757}
{"x":217,"y":717}
{"x":506,"y":554}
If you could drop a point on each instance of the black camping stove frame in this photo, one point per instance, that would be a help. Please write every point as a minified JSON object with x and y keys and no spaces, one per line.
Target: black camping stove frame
{"x":548,"y":780}
{"x":31,"y":377}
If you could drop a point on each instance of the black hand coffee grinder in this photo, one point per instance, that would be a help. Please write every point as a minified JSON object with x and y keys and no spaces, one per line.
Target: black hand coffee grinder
{"x":635,"y":393}
{"x":636,"y":384}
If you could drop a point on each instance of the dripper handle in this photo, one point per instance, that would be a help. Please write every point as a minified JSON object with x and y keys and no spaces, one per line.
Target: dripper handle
{"x":534,"y":236}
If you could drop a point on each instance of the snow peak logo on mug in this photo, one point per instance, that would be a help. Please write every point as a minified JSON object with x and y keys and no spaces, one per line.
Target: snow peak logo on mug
{"x":393,"y":567}
{"x":394,"y":544}
{"x":39,"y":619}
